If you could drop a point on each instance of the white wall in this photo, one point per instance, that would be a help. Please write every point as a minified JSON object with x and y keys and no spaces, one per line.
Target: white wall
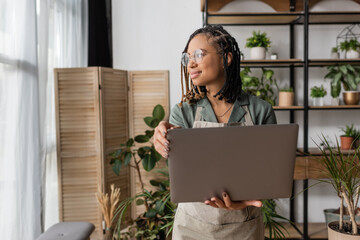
{"x":150,"y":35}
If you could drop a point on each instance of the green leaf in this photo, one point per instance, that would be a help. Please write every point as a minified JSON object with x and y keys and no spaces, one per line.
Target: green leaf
{"x":140,"y":202}
{"x":351,"y":81}
{"x":148,"y":120}
{"x":142,"y":138}
{"x":343,"y":69}
{"x":158,"y":112}
{"x":154,"y":123}
{"x":127,"y":158}
{"x":148,"y":163}
{"x":130,"y":142}
{"x":116,"y":167}
{"x":335,"y":89}
{"x":154,"y":183}
{"x":155,"y":155}
{"x":268,"y":74}
{"x":159,"y":207}
{"x":141,"y":152}
{"x":149,"y":133}
{"x":151,"y":213}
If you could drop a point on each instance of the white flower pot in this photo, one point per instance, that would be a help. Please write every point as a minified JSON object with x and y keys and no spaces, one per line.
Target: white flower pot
{"x":257,"y":53}
{"x":335,"y":55}
{"x":352,"y":54}
{"x":318,"y":101}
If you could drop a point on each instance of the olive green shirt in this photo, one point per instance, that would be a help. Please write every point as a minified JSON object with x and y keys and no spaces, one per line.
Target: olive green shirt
{"x":261,"y":112}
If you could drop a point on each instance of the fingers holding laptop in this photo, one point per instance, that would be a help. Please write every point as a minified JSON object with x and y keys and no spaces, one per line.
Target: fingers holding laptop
{"x":231,"y":205}
{"x":160,"y":141}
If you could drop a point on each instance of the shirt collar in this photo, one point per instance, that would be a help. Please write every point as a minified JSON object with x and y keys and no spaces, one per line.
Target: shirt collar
{"x":237,"y":113}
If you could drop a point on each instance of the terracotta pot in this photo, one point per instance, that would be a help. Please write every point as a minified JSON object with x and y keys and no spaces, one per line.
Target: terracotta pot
{"x":334,"y":235}
{"x":346,"y":142}
{"x":351,"y":97}
{"x":286,"y":99}
{"x":257,"y":53}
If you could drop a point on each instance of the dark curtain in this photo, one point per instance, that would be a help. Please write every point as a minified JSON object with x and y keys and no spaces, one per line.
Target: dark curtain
{"x":100,"y":37}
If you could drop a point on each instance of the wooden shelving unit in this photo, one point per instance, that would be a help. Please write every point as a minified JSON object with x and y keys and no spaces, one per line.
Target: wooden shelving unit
{"x":292,"y":13}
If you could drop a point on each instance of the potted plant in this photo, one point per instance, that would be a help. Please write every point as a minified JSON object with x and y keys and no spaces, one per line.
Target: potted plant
{"x":349,"y":77}
{"x":342,"y":172}
{"x":286,"y":97}
{"x":318,"y":94}
{"x":349,"y":137}
{"x":258,"y":45}
{"x":351,"y":48}
{"x":159,"y":210}
{"x":335,"y":53}
{"x":262,"y":87}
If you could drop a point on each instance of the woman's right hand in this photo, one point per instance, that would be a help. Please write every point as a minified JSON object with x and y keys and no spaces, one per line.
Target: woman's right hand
{"x":160,"y":141}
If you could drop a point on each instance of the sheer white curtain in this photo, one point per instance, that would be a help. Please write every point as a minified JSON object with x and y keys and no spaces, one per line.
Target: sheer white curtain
{"x":28,"y":53}
{"x":63,"y":42}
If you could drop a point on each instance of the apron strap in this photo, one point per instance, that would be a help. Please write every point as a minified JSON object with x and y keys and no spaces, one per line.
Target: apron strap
{"x":248,"y":120}
{"x":198,"y":114}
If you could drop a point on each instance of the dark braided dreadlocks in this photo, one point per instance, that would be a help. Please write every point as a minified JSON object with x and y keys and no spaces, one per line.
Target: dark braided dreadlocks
{"x":225,"y":44}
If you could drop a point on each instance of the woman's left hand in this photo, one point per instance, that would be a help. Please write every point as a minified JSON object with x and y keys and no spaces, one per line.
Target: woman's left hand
{"x":226,"y":203}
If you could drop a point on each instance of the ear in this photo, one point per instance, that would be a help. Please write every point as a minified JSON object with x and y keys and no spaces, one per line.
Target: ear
{"x":229,"y":58}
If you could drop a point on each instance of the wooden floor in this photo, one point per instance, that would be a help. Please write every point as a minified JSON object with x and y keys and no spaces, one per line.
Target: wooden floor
{"x":316,"y":231}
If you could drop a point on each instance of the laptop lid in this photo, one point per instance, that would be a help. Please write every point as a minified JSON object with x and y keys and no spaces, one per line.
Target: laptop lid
{"x":248,"y":162}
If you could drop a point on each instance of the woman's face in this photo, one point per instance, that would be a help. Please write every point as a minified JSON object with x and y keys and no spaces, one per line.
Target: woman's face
{"x":210,"y":70}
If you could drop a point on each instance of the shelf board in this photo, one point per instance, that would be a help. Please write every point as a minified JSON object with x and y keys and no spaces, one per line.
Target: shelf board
{"x":315,"y":230}
{"x":278,"y":108}
{"x":274,"y":18}
{"x":329,"y":62}
{"x":330,"y":107}
{"x":282,"y":18}
{"x":271,"y":63}
{"x":316,"y":151}
{"x":348,"y":17}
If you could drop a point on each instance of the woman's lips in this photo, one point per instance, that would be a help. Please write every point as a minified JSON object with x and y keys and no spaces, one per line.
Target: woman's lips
{"x":195,"y":74}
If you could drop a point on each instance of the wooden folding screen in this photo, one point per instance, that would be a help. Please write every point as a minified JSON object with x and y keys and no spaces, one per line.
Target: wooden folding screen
{"x":146,"y":90}
{"x":92,"y":121}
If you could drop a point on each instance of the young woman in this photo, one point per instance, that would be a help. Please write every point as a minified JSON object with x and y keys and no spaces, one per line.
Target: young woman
{"x":213,"y":98}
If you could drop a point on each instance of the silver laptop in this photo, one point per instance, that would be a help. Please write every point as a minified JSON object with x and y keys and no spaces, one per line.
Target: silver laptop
{"x":248,"y":162}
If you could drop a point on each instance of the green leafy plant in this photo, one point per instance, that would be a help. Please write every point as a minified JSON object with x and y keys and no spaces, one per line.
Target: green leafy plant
{"x":262,"y":87}
{"x":270,"y":218}
{"x":317,"y":92}
{"x":258,"y":40}
{"x":342,"y":173}
{"x":158,"y":207}
{"x":334,"y":49}
{"x":347,"y":75}
{"x":348,"y":45}
{"x":350,"y":131}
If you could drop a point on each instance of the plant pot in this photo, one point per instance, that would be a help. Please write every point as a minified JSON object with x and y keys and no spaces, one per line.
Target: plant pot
{"x":257,"y":53}
{"x":286,"y":99}
{"x":335,"y":101}
{"x":335,"y":55}
{"x":334,"y":235}
{"x":351,"y":97}
{"x":332,"y":216}
{"x":318,"y":101}
{"x":346,"y":142}
{"x":352,"y":54}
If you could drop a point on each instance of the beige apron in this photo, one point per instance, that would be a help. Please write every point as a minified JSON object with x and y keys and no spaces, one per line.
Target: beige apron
{"x":199,"y":221}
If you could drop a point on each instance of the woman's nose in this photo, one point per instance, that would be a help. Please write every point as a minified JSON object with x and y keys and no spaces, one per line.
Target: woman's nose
{"x":191,"y":63}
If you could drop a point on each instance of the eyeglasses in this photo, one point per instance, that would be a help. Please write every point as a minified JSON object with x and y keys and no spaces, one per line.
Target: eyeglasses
{"x":197,"y":56}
